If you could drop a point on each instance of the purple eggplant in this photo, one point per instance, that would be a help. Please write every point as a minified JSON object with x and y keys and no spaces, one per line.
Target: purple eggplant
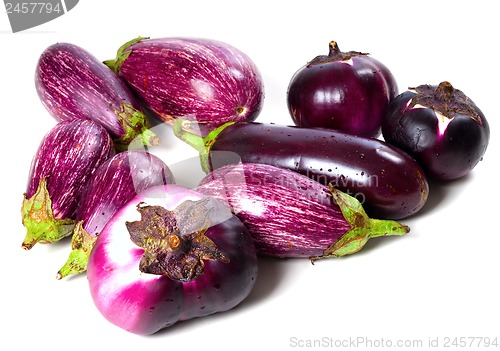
{"x":440,"y":127}
{"x":73,"y":84}
{"x":67,"y":157}
{"x":345,"y":91}
{"x":170,"y":254}
{"x":111,"y":186}
{"x":291,"y":215}
{"x":204,"y":80}
{"x":388,"y":182}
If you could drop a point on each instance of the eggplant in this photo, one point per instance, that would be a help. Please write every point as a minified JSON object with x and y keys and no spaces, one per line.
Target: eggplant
{"x":111,"y":186}
{"x":170,"y":254}
{"x":388,"y":182}
{"x":204,"y":80}
{"x":345,"y":91}
{"x":291,"y":215}
{"x":73,"y":84}
{"x":441,"y":127}
{"x":66,"y":158}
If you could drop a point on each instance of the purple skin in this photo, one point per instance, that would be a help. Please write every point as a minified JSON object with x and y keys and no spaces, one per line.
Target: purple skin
{"x":73,"y":84}
{"x":119,"y":268}
{"x":440,"y":127}
{"x":111,"y":186}
{"x":67,"y":157}
{"x":345,"y":91}
{"x":291,"y":215}
{"x":201,"y":80}
{"x":389,"y":183}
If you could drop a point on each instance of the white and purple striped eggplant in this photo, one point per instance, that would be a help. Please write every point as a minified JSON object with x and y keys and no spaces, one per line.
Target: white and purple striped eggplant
{"x":66,"y":158}
{"x":112,"y":185}
{"x":198,"y":79}
{"x":73,"y":84}
{"x":291,"y":215}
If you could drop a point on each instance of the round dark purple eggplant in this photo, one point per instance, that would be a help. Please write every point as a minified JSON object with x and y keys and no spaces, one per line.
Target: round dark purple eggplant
{"x":168,"y":255}
{"x":203,"y":80}
{"x":388,"y":182}
{"x":73,"y":84}
{"x":291,"y":215}
{"x":440,"y":127}
{"x":345,"y":91}
{"x":111,"y":186}
{"x":67,"y":157}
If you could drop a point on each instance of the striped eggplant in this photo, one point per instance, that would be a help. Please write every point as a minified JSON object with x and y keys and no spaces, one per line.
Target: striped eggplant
{"x":291,"y":215}
{"x":388,"y":182}
{"x":73,"y":84}
{"x":199,"y":79}
{"x":111,"y":186}
{"x":67,"y":157}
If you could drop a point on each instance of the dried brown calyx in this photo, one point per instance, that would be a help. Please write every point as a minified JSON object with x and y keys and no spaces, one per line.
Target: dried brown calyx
{"x":174,"y":242}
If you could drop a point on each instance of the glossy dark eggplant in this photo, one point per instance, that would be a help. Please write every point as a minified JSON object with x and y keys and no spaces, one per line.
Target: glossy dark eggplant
{"x":111,"y":186}
{"x":345,"y":91}
{"x":168,"y":255}
{"x":440,"y":127}
{"x":67,"y":157}
{"x":291,"y":215}
{"x":73,"y":84}
{"x":388,"y":182}
{"x":204,"y":80}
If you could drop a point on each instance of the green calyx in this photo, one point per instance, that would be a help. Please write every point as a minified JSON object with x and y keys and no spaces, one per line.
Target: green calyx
{"x":122,"y":54}
{"x":136,"y":127}
{"x":203,"y":145}
{"x":81,"y":246}
{"x":363,"y":228}
{"x":39,"y":221}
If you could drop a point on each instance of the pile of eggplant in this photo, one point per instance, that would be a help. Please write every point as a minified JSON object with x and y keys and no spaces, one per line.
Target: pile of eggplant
{"x":156,"y":253}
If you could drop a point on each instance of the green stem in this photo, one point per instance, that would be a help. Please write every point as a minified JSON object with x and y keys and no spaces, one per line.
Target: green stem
{"x":38,"y":219}
{"x":363,"y":228}
{"x":81,"y":246}
{"x":201,"y":144}
{"x":122,"y":54}
{"x":136,"y":127}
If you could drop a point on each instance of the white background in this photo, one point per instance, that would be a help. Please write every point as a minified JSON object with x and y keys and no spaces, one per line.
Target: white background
{"x":441,"y":280}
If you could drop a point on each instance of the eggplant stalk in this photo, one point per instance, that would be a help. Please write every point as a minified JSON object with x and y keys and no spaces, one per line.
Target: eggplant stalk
{"x":363,"y":228}
{"x":39,"y":220}
{"x":201,"y":144}
{"x":81,"y":245}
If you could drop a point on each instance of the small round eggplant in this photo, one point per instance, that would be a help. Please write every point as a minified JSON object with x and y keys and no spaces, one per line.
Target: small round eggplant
{"x":440,"y":127}
{"x":170,"y":254}
{"x":67,"y":157}
{"x":345,"y":91}
{"x":203,"y":80}
{"x":291,"y":215}
{"x":111,"y":186}
{"x":73,"y":84}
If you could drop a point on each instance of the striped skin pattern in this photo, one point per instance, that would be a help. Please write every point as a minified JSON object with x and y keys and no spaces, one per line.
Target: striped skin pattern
{"x":68,"y":155}
{"x":287,"y":214}
{"x":115,"y":183}
{"x":202,"y":80}
{"x":73,"y":84}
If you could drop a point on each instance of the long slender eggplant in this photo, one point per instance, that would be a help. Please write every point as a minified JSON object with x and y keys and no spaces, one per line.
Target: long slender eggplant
{"x":388,"y":182}
{"x":67,"y":157}
{"x":291,"y":215}
{"x":170,"y":254}
{"x":111,"y":186}
{"x":73,"y":84}
{"x":205,"y":80}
